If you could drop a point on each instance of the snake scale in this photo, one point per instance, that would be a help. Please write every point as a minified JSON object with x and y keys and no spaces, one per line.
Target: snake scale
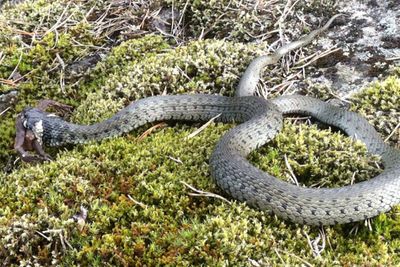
{"x":260,"y":120}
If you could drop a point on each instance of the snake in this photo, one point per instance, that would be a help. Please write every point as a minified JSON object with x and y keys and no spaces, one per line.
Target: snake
{"x":258,"y":121}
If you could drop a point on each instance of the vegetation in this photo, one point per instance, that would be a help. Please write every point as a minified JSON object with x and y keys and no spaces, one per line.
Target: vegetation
{"x":139,"y":210}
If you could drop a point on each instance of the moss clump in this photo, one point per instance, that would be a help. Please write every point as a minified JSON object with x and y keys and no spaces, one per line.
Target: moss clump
{"x":26,"y":15}
{"x":131,"y":52}
{"x":318,"y":158}
{"x":379,"y":103}
{"x":210,"y":66}
{"x":32,"y":239}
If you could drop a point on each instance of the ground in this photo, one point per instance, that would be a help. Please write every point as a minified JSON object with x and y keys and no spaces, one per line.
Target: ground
{"x":100,"y":55}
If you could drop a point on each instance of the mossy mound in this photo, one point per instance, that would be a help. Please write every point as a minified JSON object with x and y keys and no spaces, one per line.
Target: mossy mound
{"x":380,"y":104}
{"x":210,"y":66}
{"x":319,"y":158}
{"x":139,"y":211}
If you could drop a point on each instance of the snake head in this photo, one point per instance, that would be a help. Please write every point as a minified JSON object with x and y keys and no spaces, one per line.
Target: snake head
{"x":30,"y":132}
{"x":35,"y":126}
{"x":33,"y":120}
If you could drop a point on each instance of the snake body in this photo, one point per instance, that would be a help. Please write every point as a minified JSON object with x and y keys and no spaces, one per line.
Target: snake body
{"x":260,"y":120}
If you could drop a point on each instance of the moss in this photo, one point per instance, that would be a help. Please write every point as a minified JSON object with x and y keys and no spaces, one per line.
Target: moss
{"x":139,"y":212}
{"x":200,"y":67}
{"x":380,"y":105}
{"x":309,"y":151}
{"x":25,"y":16}
{"x":7,"y":133}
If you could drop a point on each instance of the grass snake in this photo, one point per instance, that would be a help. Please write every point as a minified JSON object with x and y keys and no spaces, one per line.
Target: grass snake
{"x":260,"y":120}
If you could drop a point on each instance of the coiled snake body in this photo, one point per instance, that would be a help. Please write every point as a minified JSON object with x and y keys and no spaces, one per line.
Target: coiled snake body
{"x":260,"y":120}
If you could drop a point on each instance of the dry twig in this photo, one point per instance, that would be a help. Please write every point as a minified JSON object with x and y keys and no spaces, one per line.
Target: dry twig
{"x":199,"y":193}
{"x":202,"y":127}
{"x":144,"y":206}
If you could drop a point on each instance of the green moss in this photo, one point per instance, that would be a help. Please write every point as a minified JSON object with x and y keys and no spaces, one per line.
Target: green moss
{"x":200,"y":67}
{"x":7,"y":133}
{"x":27,"y":14}
{"x":139,"y":212}
{"x":312,"y":149}
{"x":379,"y":103}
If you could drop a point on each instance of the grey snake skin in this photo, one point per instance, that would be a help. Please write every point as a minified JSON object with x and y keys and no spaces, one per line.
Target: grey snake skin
{"x":260,"y":120}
